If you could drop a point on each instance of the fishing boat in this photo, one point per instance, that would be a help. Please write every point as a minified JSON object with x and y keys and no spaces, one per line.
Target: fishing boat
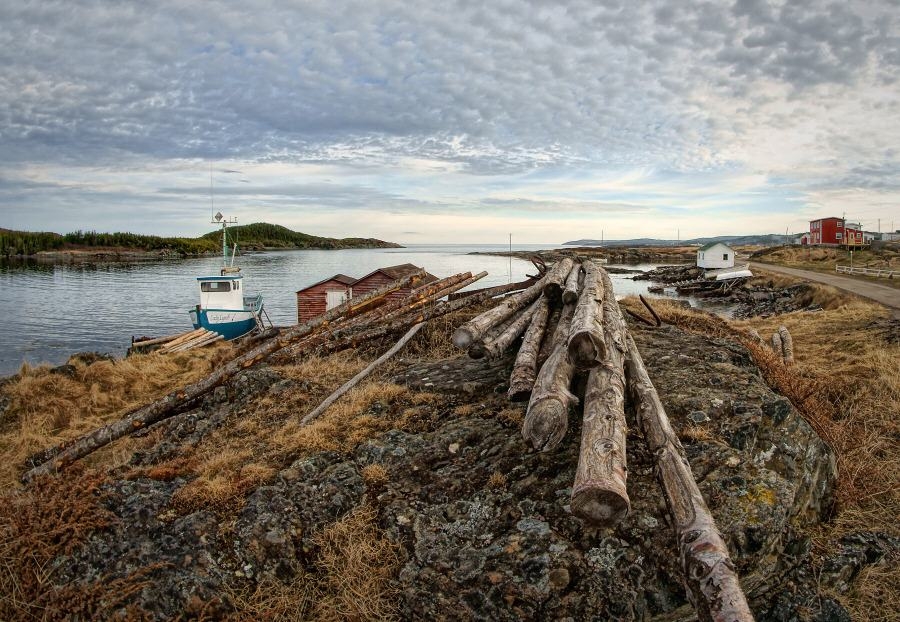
{"x":223,"y":306}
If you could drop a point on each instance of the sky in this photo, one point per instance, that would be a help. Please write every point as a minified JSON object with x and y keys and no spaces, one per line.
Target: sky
{"x":450,"y":121}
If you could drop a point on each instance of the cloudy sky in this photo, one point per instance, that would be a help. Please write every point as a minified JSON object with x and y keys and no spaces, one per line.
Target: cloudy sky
{"x":450,"y":121}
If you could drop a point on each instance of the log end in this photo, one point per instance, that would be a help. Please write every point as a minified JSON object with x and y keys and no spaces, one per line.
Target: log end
{"x":585,"y":351}
{"x":602,"y":503}
{"x":518,"y":394}
{"x":462,"y":338}
{"x":545,"y":424}
{"x":477,"y":350}
{"x":569,"y":297}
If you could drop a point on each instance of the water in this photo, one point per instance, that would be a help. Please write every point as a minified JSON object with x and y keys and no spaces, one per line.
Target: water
{"x":54,"y":310}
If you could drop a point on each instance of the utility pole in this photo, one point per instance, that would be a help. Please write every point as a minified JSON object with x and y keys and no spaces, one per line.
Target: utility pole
{"x":510,"y":257}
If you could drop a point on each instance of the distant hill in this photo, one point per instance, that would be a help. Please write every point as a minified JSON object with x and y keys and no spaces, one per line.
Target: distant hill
{"x":249,"y":237}
{"x":262,"y":235}
{"x":769,"y":239}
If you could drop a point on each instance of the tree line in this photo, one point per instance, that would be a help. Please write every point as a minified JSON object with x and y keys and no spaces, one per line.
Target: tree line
{"x":23,"y":243}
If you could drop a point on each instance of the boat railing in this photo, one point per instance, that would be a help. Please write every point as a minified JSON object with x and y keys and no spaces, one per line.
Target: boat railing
{"x":253,"y":303}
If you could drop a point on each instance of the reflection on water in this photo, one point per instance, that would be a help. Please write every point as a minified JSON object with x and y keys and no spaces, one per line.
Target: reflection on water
{"x":54,"y":310}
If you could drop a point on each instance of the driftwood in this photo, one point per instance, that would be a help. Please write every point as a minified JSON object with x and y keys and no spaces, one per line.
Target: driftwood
{"x":556,"y":278}
{"x":494,"y":348}
{"x":598,"y":494}
{"x":656,"y":322}
{"x":424,"y":295}
{"x":712,"y":583}
{"x":331,"y":399}
{"x":587,"y":343}
{"x":570,"y":292}
{"x":475,"y":329}
{"x":547,"y":417}
{"x":524,"y":372}
{"x":66,"y":454}
{"x":787,"y":345}
{"x":496,"y":290}
{"x":777,"y":346}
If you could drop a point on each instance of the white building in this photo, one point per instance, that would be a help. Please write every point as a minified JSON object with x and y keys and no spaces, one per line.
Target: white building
{"x":715,"y":255}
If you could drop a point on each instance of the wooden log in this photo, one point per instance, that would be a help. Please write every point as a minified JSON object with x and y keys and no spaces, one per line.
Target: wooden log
{"x":185,"y":337}
{"x":524,"y":372}
{"x":166,"y":349}
{"x":363,"y":323}
{"x":599,"y":495}
{"x":709,"y":575}
{"x":787,"y":345}
{"x":547,"y":417}
{"x":587,"y":344}
{"x":158,"y":340}
{"x":349,"y":337}
{"x":476,"y":328}
{"x":431,"y":294}
{"x":570,"y":292}
{"x":331,"y":399}
{"x":494,"y":348}
{"x":777,"y":346}
{"x":64,"y":455}
{"x":496,"y":290}
{"x":477,"y":349}
{"x":556,"y":277}
{"x":200,"y":343}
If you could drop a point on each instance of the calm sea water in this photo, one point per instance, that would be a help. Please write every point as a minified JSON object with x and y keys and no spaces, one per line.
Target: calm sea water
{"x":51,"y":311}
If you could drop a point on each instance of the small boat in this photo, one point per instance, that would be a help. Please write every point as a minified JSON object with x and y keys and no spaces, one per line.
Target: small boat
{"x":223,"y":306}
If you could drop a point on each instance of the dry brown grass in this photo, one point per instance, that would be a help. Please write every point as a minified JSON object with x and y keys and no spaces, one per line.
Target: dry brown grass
{"x":49,"y":408}
{"x":374,"y":474}
{"x":354,"y":564}
{"x":846,"y":383}
{"x":497,"y":481}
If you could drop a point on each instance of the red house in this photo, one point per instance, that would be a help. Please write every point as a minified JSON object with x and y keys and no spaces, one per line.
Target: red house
{"x":835,"y":231}
{"x":331,"y":292}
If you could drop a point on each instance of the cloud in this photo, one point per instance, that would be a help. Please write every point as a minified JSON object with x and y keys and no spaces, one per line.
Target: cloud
{"x":453,"y":108}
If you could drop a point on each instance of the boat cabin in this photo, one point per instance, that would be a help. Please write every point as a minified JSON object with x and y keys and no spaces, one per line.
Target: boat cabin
{"x":221,"y":292}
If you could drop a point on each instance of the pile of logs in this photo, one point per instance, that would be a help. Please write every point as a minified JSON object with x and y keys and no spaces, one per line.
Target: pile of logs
{"x":176,"y":343}
{"x":589,"y":336}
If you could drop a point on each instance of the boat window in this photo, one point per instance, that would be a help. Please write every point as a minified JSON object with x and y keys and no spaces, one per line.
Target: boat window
{"x":215,"y":286}
{"x":236,"y":285}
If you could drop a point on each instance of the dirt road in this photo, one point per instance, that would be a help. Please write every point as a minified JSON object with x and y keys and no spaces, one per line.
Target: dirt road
{"x":888,"y":296}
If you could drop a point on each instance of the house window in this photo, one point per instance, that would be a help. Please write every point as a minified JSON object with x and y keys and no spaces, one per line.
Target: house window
{"x":838,"y":236}
{"x":725,"y":256}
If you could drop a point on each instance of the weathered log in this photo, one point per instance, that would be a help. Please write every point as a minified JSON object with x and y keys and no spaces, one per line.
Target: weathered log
{"x":331,"y":399}
{"x":476,"y":328}
{"x":599,"y":494}
{"x":393,"y":313}
{"x":524,"y":372}
{"x":185,"y":337}
{"x":556,"y":277}
{"x":430,"y":295}
{"x":652,"y":311}
{"x":547,"y":417}
{"x":206,"y":340}
{"x":188,"y":343}
{"x":777,"y":346}
{"x":66,"y":454}
{"x":709,"y":575}
{"x":547,"y":343}
{"x":343,"y":338}
{"x":587,"y":342}
{"x":158,"y":340}
{"x":787,"y":345}
{"x":496,"y":290}
{"x":570,"y":292}
{"x":494,"y":348}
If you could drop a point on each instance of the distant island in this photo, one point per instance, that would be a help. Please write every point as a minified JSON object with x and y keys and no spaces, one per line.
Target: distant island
{"x":769,"y":239}
{"x":257,"y":236}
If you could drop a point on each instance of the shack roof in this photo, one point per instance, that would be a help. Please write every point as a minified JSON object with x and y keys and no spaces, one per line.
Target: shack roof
{"x":343,"y":279}
{"x":708,"y":246}
{"x":398,"y":272}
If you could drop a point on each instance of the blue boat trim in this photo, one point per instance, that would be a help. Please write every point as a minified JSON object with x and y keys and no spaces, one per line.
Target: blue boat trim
{"x":233,"y":277}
